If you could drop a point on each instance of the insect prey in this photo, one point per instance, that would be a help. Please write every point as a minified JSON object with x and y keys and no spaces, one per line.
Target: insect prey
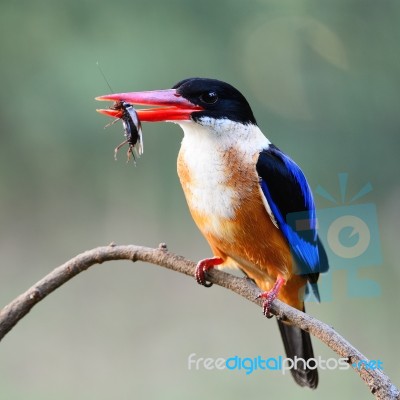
{"x":132,"y":130}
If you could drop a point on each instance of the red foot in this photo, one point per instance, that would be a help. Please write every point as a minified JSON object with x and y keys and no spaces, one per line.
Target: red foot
{"x":271,"y":295}
{"x":203,"y":266}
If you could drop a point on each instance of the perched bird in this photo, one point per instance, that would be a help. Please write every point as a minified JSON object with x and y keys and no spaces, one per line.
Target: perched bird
{"x":250,"y":200}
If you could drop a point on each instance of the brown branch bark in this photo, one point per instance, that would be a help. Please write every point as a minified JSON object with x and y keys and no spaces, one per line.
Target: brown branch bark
{"x":379,"y":384}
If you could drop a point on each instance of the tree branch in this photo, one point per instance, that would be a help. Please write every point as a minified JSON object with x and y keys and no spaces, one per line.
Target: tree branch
{"x":379,"y":384}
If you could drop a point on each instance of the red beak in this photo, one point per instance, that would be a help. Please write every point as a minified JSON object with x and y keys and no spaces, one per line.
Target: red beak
{"x":173,"y":107}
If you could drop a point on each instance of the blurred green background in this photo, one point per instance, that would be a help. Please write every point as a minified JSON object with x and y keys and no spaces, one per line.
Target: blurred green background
{"x":323,"y":80}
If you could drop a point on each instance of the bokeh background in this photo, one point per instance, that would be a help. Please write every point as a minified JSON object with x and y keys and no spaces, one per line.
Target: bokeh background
{"x":323,"y":79}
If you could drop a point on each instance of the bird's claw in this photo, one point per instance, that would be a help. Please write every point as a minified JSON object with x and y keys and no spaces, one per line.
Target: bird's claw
{"x":203,"y":266}
{"x":270,"y":296}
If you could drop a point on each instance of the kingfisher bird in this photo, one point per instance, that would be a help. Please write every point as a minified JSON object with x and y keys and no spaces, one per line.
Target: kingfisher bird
{"x":242,"y":192}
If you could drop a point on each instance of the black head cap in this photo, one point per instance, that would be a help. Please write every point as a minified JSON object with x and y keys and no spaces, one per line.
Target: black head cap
{"x":219,"y":100}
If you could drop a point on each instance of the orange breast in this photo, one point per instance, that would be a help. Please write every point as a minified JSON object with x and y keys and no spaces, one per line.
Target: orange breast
{"x":245,"y":237}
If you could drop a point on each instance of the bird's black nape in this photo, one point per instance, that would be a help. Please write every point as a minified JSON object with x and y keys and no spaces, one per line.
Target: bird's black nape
{"x":218,"y":99}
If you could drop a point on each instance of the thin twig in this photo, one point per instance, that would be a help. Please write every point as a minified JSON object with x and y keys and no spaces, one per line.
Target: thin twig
{"x":379,"y":384}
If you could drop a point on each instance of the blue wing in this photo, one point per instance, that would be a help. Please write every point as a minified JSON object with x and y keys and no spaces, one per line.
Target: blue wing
{"x":290,"y":200}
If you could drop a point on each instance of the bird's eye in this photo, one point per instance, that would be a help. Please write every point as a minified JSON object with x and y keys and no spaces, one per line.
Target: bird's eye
{"x":209,"y":97}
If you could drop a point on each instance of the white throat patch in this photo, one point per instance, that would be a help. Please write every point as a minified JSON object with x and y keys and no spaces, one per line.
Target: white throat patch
{"x":203,"y":148}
